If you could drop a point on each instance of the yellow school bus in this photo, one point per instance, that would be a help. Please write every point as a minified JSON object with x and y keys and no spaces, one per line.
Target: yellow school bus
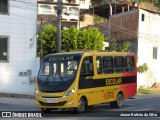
{"x":82,"y":79}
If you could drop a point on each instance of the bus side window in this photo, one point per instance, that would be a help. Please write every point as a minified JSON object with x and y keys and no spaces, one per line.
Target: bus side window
{"x":119,"y":64}
{"x":87,"y":66}
{"x":129,"y":64}
{"x":108,"y":65}
{"x":99,"y":65}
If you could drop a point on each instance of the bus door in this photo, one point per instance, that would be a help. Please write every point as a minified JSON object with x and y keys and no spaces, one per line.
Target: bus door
{"x":86,"y":70}
{"x":86,"y":84}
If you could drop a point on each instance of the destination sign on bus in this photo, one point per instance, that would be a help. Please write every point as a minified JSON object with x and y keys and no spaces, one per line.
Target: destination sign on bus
{"x":61,"y":58}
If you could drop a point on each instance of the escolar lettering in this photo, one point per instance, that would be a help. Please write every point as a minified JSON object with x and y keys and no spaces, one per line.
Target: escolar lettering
{"x":61,"y":58}
{"x":113,"y":81}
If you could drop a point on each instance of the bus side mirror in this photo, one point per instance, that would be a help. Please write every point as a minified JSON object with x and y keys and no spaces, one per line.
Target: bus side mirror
{"x":89,"y":77}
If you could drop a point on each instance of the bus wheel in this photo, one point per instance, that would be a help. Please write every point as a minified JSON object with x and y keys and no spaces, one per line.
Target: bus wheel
{"x":81,"y":106}
{"x":46,"y":110}
{"x":118,"y":103}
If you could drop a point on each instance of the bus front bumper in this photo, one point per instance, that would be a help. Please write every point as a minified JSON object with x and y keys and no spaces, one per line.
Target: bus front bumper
{"x":61,"y":102}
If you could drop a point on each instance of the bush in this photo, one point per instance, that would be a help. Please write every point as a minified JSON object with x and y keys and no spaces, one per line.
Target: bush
{"x":142,"y":68}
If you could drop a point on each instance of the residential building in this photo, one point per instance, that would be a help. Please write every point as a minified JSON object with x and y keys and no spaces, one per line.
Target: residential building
{"x":148,"y":46}
{"x":139,"y":25}
{"x":18,"y":62}
{"x":47,"y":12}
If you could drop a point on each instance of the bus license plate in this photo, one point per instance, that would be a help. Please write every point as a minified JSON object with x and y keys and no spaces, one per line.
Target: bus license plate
{"x":50,"y":101}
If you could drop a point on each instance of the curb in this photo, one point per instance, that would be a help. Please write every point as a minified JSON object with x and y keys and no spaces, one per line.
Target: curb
{"x":14,"y":95}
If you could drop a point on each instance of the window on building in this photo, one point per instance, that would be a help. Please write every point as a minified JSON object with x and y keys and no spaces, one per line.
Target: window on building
{"x":143,"y":17}
{"x":119,"y":64}
{"x":155,"y":52}
{"x":3,"y":48}
{"x":3,"y":6}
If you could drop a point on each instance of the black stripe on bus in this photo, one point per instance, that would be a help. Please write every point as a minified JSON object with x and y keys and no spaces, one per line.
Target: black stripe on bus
{"x":90,"y":83}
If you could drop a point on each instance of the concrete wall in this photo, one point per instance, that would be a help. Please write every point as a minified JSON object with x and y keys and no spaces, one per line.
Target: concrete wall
{"x":88,"y":20}
{"x":124,"y":25}
{"x":149,"y":37}
{"x":22,"y":66}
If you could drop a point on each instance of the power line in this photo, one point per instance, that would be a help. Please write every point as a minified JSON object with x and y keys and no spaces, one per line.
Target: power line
{"x":123,"y":28}
{"x":119,"y":27}
{"x":134,"y":33}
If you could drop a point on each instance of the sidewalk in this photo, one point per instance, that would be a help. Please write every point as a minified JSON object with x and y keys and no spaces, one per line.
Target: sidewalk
{"x":14,"y":95}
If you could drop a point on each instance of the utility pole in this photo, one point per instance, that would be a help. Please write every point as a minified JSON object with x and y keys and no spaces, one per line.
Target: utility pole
{"x":93,"y":17}
{"x":59,"y":13}
{"x":41,"y":51}
{"x":110,"y":13}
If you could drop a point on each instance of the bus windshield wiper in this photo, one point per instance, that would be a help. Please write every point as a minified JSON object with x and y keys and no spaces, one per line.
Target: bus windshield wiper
{"x":58,"y":74}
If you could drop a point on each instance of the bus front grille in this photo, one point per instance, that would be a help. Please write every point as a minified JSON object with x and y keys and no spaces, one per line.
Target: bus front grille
{"x":52,"y":104}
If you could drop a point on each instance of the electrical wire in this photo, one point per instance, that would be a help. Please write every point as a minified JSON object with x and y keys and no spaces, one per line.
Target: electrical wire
{"x":134,"y":33}
{"x":22,"y":6}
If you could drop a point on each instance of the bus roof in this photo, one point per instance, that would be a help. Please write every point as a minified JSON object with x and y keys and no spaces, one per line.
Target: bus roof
{"x":95,"y":52}
{"x":77,"y":54}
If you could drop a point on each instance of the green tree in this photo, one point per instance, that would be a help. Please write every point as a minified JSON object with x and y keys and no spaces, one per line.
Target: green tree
{"x":72,"y":39}
{"x":153,"y":2}
{"x":87,"y":39}
{"x":125,"y":46}
{"x":90,"y":39}
{"x":113,"y":45}
{"x":48,"y":39}
{"x":69,"y":39}
{"x":99,"y":2}
{"x":98,"y":19}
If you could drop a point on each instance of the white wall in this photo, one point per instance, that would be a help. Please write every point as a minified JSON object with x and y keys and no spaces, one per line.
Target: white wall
{"x":20,"y":26}
{"x":149,"y":36}
{"x":85,"y":5}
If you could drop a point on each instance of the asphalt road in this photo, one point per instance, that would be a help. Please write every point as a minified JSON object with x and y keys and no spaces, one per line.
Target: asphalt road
{"x":142,"y":107}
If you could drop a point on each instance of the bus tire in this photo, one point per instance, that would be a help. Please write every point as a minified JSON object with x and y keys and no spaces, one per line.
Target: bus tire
{"x":81,"y":106}
{"x":45,"y":110}
{"x":118,"y":103}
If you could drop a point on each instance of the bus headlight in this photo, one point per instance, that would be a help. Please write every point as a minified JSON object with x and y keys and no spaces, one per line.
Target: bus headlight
{"x":70,"y":92}
{"x":37,"y":93}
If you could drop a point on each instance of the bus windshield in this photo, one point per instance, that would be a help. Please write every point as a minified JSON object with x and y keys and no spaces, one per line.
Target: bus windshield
{"x":58,"y":71}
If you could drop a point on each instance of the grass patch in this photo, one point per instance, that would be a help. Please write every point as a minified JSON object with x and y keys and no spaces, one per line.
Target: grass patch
{"x":142,"y":90}
{"x":154,"y":89}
